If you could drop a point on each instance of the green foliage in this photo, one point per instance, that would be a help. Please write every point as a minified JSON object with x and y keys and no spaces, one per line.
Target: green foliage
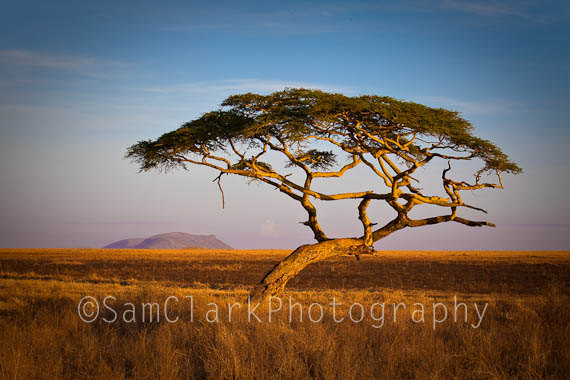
{"x":315,"y":159}
{"x":292,"y":115}
{"x":246,"y":165}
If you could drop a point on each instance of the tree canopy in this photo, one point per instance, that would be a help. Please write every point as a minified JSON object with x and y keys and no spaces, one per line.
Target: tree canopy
{"x":393,"y":138}
{"x":370,"y":129}
{"x":297,"y":115}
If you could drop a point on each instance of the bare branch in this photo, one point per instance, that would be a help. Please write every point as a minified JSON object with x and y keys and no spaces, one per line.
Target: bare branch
{"x":447,"y":218}
{"x":355,"y":161}
{"x":365,"y":221}
{"x":219,"y":179}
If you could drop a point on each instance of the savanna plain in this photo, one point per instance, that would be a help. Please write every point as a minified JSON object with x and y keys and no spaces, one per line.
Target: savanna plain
{"x":524,"y":333}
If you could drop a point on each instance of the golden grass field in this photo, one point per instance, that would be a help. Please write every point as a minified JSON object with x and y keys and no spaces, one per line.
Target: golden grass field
{"x":524,"y":333}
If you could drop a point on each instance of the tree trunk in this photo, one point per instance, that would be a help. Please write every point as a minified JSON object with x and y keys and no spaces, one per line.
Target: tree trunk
{"x":274,"y":282}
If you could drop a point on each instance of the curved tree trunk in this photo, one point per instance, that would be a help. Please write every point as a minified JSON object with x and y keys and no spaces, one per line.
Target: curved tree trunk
{"x":274,"y":282}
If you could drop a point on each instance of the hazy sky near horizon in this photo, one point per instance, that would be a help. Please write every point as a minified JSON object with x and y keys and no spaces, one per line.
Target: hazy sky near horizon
{"x":82,"y":81}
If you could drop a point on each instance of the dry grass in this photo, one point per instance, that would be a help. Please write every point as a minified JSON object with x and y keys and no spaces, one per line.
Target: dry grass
{"x":465,"y":271}
{"x":524,"y":334}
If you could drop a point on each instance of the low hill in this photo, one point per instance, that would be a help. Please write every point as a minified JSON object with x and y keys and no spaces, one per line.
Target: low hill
{"x":171,"y":240}
{"x":126,"y":243}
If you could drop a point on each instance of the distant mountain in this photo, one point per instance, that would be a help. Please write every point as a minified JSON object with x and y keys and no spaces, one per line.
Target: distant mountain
{"x":126,"y":243}
{"x":171,"y":240}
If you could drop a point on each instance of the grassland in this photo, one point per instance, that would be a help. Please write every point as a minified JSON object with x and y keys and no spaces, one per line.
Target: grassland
{"x":524,"y":334}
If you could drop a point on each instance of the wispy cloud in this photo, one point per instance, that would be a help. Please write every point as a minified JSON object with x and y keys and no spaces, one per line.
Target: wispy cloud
{"x":283,"y":18}
{"x":308,"y":18}
{"x":223,"y":87}
{"x":518,"y":9}
{"x":492,"y":106}
{"x":88,"y":66}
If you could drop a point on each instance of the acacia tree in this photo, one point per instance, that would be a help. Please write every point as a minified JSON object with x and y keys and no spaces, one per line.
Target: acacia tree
{"x":392,"y":138}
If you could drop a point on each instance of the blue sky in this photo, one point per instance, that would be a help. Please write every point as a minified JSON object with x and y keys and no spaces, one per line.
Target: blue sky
{"x":81,"y":81}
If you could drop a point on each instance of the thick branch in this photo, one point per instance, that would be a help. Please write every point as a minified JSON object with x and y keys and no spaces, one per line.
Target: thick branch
{"x":274,"y":282}
{"x":312,"y":211}
{"x":392,"y":226}
{"x":355,"y":161}
{"x":447,"y":218}
{"x":363,"y":216}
